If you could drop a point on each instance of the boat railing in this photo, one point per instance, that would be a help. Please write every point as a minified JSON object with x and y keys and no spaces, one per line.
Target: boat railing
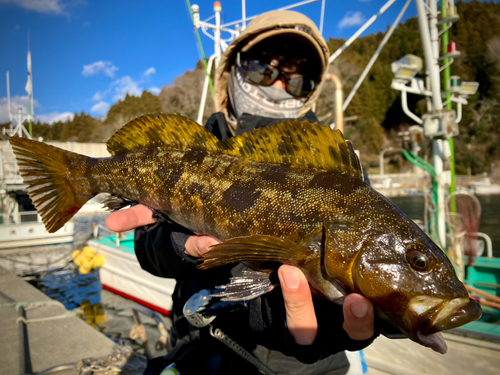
{"x":97,"y":227}
{"x":23,"y":217}
{"x":487,"y":241}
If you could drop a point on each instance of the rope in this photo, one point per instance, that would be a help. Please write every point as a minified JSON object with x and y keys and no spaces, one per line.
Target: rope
{"x":33,"y":305}
{"x":222,"y":337}
{"x":36,"y":264}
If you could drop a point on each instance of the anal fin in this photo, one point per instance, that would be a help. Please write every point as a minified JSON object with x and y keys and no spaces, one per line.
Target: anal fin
{"x":250,"y":285}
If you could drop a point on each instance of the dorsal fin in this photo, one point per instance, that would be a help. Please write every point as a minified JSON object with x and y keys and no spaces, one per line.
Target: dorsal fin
{"x":298,"y":144}
{"x":160,"y":130}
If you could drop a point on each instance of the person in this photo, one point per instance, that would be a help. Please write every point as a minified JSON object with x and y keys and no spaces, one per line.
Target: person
{"x":272,"y":71}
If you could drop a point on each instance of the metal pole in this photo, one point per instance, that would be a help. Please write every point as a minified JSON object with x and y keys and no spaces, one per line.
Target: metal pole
{"x":406,"y":110}
{"x":217,"y":10}
{"x":19,"y":128}
{"x":8,"y":97}
{"x":339,"y":97}
{"x":446,"y":82}
{"x":243,"y":14}
{"x":296,"y":5}
{"x":431,"y":61}
{"x":375,"y":55}
{"x":204,"y":91}
{"x":431,"y":52}
{"x":382,"y":160}
{"x":195,"y":18}
{"x":321,"y":21}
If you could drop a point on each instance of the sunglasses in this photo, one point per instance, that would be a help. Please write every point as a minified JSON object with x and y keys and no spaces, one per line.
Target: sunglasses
{"x":264,"y":74}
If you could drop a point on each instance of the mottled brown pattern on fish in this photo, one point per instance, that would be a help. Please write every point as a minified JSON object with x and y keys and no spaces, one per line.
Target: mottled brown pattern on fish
{"x":192,"y":186}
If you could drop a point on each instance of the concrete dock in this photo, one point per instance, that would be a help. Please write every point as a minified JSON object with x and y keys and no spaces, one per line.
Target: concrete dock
{"x":404,"y":357}
{"x":48,"y":343}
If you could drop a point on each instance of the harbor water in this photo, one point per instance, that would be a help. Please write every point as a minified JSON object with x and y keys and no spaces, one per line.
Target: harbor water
{"x":413,"y":206}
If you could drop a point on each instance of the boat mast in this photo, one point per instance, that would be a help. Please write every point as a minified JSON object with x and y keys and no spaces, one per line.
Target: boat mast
{"x":19,"y":129}
{"x":427,"y":21}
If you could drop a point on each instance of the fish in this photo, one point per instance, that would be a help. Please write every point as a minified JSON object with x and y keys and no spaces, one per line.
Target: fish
{"x":291,"y":193}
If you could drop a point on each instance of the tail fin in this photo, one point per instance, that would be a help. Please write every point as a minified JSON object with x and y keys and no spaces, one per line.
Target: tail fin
{"x":45,"y":168}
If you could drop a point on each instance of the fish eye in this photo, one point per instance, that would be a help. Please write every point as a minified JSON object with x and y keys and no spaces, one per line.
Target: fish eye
{"x":419,"y":261}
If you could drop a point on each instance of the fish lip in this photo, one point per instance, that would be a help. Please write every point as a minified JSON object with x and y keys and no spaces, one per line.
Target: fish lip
{"x":455,"y":313}
{"x":431,"y":315}
{"x":426,"y":316}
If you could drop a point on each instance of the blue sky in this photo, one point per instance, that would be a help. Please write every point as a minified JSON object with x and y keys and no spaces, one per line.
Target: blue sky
{"x":87,"y":54}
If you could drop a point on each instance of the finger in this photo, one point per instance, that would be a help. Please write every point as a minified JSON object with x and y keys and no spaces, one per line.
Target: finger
{"x":129,"y":218}
{"x":198,"y":245}
{"x":300,"y":315}
{"x":358,"y":317}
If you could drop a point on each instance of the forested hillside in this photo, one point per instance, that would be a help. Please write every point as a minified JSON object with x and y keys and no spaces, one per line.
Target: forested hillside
{"x":375,"y":111}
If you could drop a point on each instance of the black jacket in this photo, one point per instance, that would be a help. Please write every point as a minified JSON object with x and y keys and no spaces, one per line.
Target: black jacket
{"x":261,"y":327}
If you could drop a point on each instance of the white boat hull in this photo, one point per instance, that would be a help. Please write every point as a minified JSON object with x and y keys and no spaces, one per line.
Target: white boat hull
{"x":122,"y":274}
{"x":14,"y":236}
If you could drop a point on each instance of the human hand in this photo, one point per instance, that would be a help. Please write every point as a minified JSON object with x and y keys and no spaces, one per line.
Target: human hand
{"x":199,"y":244}
{"x":129,"y":218}
{"x":300,"y":315}
{"x":139,"y":215}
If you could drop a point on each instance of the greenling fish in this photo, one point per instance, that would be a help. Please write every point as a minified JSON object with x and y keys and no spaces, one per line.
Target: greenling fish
{"x":289,"y":193}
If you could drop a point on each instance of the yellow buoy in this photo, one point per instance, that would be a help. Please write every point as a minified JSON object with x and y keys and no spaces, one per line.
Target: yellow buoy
{"x":87,"y":259}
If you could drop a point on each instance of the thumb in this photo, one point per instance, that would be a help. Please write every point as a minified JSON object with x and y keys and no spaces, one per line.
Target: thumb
{"x":358,"y":317}
{"x":300,"y":315}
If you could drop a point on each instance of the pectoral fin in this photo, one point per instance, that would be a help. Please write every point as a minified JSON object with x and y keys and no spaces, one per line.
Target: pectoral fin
{"x":256,"y":248}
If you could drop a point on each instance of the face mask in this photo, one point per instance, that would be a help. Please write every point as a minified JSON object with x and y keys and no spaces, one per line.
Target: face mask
{"x":259,"y":100}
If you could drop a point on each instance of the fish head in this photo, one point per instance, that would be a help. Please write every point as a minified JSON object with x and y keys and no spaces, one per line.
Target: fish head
{"x":413,"y":285}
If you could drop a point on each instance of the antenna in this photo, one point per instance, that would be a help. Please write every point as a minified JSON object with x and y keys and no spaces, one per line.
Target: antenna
{"x":8,"y":97}
{"x":29,"y":90}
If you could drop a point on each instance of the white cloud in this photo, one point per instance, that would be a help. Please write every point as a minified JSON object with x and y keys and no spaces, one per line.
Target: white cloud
{"x":149,"y":72}
{"x":119,"y":88}
{"x":40,"y":6}
{"x":98,"y":96}
{"x":105,"y":67}
{"x":352,"y":19}
{"x":126,"y":85}
{"x":50,"y":118}
{"x":100,"y":108}
{"x":15,"y":103}
{"x":154,"y":90}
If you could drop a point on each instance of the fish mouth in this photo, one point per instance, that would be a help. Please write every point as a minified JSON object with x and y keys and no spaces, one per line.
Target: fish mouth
{"x":427,"y":316}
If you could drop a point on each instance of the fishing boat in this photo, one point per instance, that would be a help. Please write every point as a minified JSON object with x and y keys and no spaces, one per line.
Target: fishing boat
{"x":122,"y":274}
{"x":484,"y":186}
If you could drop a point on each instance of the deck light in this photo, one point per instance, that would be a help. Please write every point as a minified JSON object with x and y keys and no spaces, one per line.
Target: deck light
{"x":196,"y":15}
{"x":468,"y":88}
{"x":455,"y":84}
{"x":406,"y":67}
{"x":452,"y":51}
{"x":450,"y":14}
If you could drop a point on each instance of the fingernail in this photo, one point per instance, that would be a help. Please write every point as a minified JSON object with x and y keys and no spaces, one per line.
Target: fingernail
{"x":359,"y":309}
{"x":291,"y":279}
